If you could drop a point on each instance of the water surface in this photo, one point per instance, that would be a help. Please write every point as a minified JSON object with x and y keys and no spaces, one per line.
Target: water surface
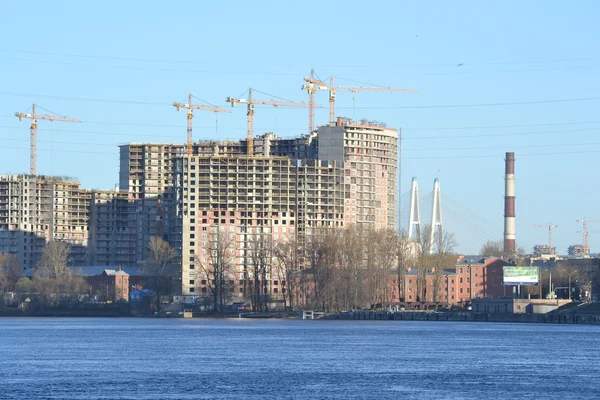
{"x":122,"y":358}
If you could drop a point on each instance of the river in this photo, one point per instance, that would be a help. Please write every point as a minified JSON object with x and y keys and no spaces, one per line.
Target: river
{"x":127,"y":358}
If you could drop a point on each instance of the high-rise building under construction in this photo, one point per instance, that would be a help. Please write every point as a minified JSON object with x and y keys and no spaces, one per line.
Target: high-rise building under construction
{"x":347,"y":176}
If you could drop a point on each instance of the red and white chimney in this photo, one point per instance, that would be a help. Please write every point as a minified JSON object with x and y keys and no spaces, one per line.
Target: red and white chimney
{"x":509,"y":206}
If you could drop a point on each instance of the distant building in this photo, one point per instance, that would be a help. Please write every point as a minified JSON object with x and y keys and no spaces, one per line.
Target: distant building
{"x":468,"y":280}
{"x":37,"y":209}
{"x":541,"y":250}
{"x":576,"y":251}
{"x":111,"y":285}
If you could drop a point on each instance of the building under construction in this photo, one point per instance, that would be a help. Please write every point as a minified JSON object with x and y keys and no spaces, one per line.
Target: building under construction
{"x":36,"y":209}
{"x":342,"y":174}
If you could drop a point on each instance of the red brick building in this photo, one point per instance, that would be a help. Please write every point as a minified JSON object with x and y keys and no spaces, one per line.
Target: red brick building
{"x":111,"y":285}
{"x":469,"y":279}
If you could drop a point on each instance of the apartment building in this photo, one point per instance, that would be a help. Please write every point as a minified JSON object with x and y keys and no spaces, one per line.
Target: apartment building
{"x":36,"y":209}
{"x":112,"y":228}
{"x":250,"y":197}
{"x":368,"y":151}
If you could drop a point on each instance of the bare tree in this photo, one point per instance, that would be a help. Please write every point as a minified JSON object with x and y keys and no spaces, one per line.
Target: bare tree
{"x":219,"y":270}
{"x":492,"y":249}
{"x":384,"y":243}
{"x":260,"y":248}
{"x":55,"y":259}
{"x":160,"y":260}
{"x":405,"y":256}
{"x":10,"y":272}
{"x":287,"y":262}
{"x":444,"y":257}
{"x":423,"y":263}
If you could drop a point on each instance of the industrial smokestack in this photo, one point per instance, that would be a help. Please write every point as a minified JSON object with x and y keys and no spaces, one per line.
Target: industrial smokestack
{"x":509,"y":206}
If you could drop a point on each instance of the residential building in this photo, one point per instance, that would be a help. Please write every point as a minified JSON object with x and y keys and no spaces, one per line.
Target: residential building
{"x":37,"y":209}
{"x":112,"y":228}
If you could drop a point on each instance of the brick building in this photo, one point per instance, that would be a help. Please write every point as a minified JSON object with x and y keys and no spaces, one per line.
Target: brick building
{"x":111,"y":285}
{"x":468,"y":280}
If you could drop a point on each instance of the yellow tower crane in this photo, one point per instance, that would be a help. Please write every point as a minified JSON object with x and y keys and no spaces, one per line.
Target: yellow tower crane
{"x":190,"y":107}
{"x":584,"y":221}
{"x":550,"y":228}
{"x":250,"y":101}
{"x":312,"y":85}
{"x":33,"y":131}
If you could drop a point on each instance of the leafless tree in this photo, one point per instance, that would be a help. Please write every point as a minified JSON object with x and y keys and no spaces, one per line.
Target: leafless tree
{"x":55,"y":259}
{"x":287,"y":262}
{"x":160,"y":261}
{"x":443,"y":257}
{"x":384,"y":244}
{"x":260,"y":247}
{"x":405,"y":258}
{"x":219,"y":269}
{"x":423,"y":263}
{"x":10,"y":272}
{"x":492,"y":249}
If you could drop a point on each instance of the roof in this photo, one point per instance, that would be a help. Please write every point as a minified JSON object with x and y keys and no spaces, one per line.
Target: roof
{"x":93,"y":270}
{"x":112,"y":272}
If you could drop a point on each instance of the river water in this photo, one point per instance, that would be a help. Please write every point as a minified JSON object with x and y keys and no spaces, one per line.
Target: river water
{"x":122,"y":358}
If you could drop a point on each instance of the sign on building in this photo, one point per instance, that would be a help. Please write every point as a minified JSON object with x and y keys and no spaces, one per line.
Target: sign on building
{"x":520,"y":275}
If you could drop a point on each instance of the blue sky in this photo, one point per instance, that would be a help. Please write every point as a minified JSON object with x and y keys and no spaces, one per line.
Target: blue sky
{"x":118,"y":66}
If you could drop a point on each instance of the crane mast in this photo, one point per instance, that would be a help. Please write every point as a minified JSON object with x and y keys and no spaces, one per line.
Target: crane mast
{"x":250,"y":102}
{"x":550,"y":228}
{"x":33,"y":132}
{"x":584,"y":221}
{"x":190,"y":115}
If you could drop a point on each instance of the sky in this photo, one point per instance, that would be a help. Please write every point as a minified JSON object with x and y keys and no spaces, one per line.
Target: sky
{"x":492,"y":77}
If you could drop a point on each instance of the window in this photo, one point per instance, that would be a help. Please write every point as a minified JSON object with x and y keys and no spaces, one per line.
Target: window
{"x":192,"y":290}
{"x":191,"y":281}
{"x":461,"y":290}
{"x":461,"y":280}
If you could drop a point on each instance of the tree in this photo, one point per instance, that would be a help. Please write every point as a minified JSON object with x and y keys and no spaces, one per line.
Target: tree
{"x":404,"y":260}
{"x":219,"y":269}
{"x":24,"y":286}
{"x":10,"y":272}
{"x":288,"y":264}
{"x":260,"y":248}
{"x":423,"y":262}
{"x":492,"y":249}
{"x":160,"y":260}
{"x":444,"y":257}
{"x":53,"y":279}
{"x":55,"y":259}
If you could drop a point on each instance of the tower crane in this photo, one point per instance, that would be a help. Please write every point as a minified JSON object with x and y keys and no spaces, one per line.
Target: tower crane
{"x":312,"y":84}
{"x":33,"y":131}
{"x":250,"y":101}
{"x":584,"y":221}
{"x":550,"y":228}
{"x":190,"y":107}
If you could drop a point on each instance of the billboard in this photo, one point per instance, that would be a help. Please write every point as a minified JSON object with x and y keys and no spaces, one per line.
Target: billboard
{"x":520,"y":275}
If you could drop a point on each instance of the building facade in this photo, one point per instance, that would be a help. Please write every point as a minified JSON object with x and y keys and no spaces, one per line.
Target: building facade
{"x":37,"y":209}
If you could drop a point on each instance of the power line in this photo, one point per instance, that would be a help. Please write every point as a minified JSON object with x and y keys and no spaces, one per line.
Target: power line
{"x":514,"y":103}
{"x":499,"y":126}
{"x":118,"y":101}
{"x":500,"y":156}
{"x":504,"y":146}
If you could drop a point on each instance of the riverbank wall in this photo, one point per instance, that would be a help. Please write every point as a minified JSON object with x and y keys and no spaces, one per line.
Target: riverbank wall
{"x":472,"y":317}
